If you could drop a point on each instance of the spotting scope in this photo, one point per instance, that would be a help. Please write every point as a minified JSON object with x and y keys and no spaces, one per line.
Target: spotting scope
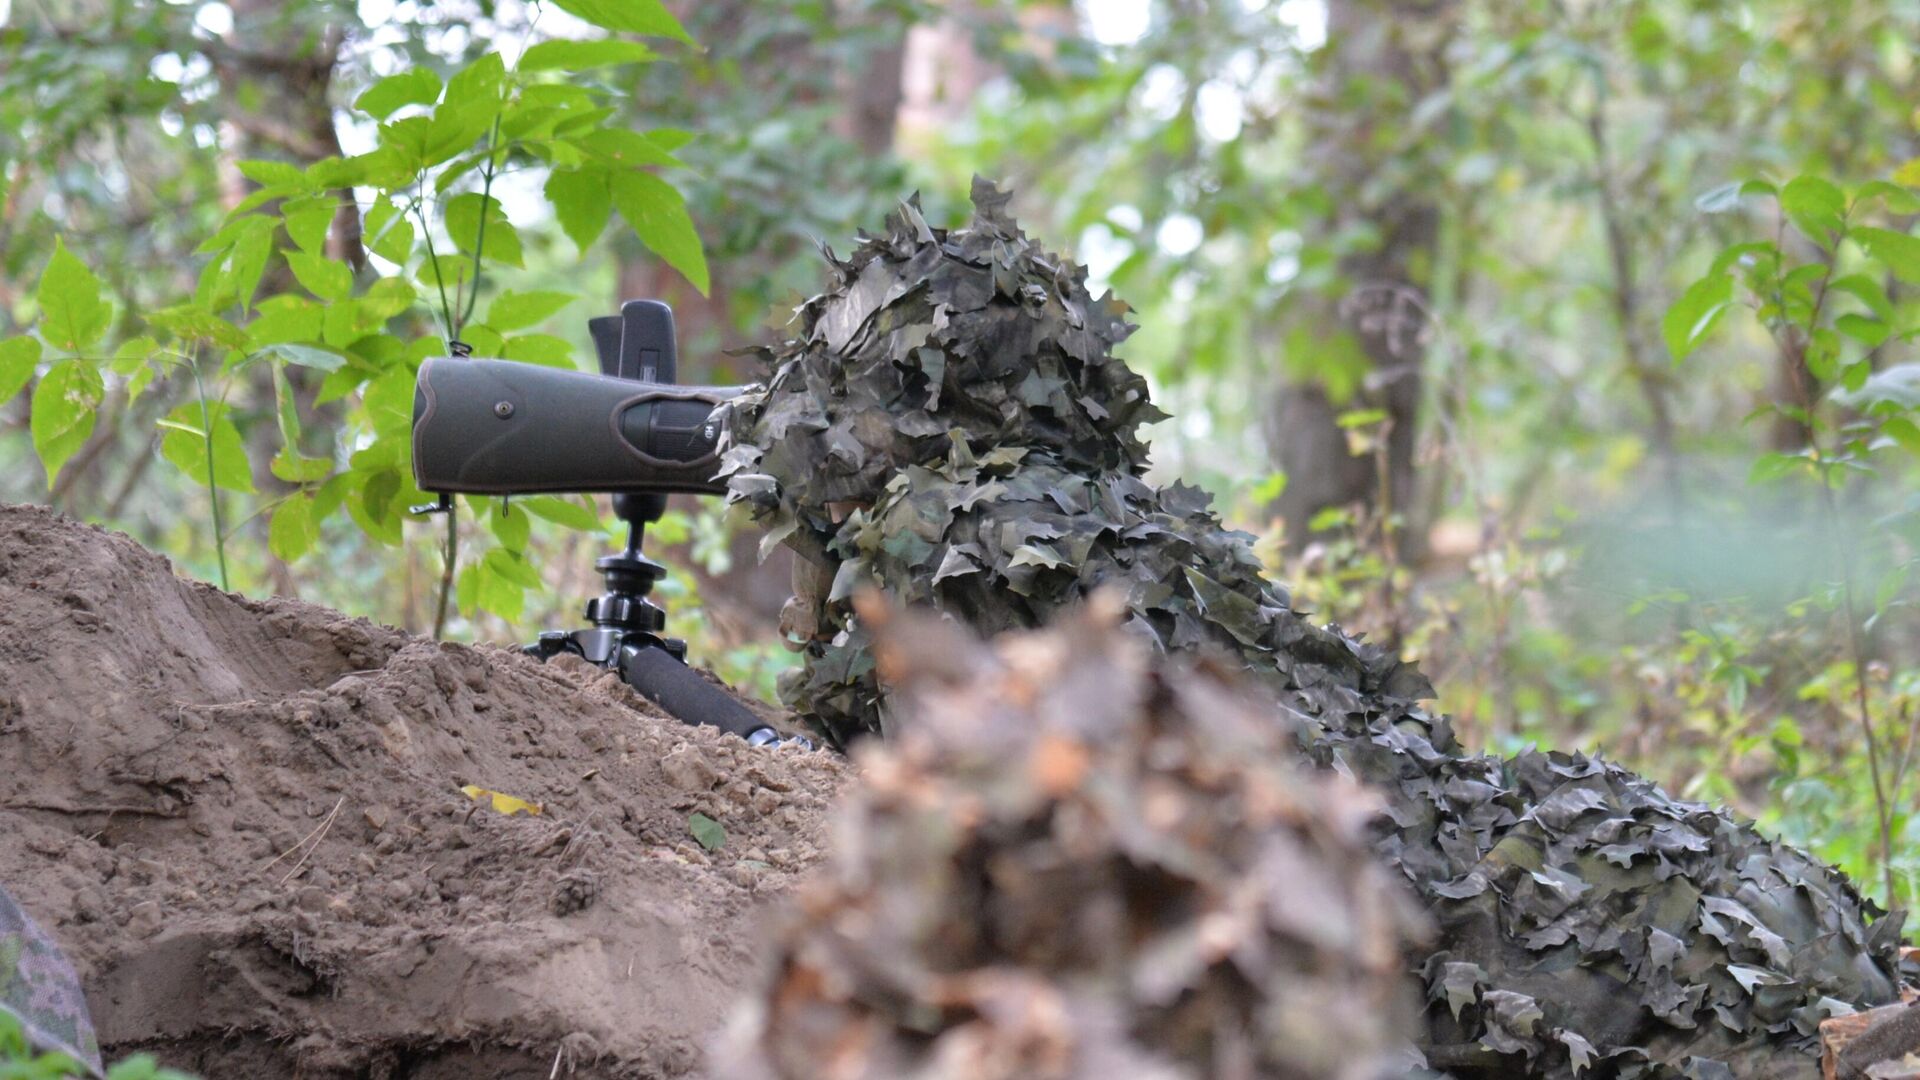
{"x":499,"y":427}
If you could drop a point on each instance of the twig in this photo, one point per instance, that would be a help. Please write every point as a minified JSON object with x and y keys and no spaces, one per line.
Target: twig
{"x":314,"y":835}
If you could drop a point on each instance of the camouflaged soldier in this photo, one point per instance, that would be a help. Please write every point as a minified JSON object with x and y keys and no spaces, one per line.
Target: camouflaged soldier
{"x":1084,"y":862}
{"x":39,"y":989}
{"x":950,"y":425}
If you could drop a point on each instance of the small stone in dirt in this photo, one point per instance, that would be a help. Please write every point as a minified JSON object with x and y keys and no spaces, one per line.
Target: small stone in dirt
{"x":146,"y":919}
{"x":688,"y":769}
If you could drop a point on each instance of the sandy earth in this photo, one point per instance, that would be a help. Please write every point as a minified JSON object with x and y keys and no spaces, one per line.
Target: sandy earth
{"x":242,"y":821}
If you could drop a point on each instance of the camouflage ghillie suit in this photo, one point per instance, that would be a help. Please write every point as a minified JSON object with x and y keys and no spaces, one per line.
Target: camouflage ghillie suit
{"x":1590,"y":921}
{"x":1082,"y":862}
{"x":950,"y":425}
{"x":40,"y":990}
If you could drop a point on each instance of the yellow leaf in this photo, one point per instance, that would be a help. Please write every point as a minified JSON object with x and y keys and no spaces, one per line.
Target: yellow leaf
{"x":505,"y":804}
{"x":1908,"y":174}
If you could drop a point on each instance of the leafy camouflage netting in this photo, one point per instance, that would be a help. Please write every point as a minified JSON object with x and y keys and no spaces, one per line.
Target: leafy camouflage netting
{"x":1081,"y":862}
{"x":39,"y":988}
{"x":949,"y":424}
{"x":1590,"y":921}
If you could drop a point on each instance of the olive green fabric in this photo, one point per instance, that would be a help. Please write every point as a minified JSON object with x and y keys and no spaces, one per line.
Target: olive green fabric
{"x":949,"y":424}
{"x":39,"y":988}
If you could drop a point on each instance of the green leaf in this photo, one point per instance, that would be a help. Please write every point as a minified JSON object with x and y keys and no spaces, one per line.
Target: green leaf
{"x":185,"y":447}
{"x":1816,"y":207}
{"x":708,"y":832}
{"x":1903,"y":431}
{"x":194,"y":322}
{"x":480,"y":82}
{"x":66,"y":403}
{"x":285,"y":318}
{"x":73,"y":311}
{"x":308,"y":356}
{"x":517,"y":310}
{"x":247,"y":264}
{"x":1269,"y":489}
{"x":670,"y":139}
{"x":1897,"y":199}
{"x":501,"y":241}
{"x":1899,"y":252}
{"x":308,"y":221}
{"x":453,"y":130}
{"x":498,"y":594}
{"x":388,"y":297}
{"x":1868,"y":291}
{"x":373,"y":504}
{"x":1822,"y":354}
{"x":582,"y":55}
{"x":486,"y":341}
{"x":1770,"y":467}
{"x":543,"y":349}
{"x":292,"y":531}
{"x":582,"y":202}
{"x":1869,"y":332}
{"x":511,"y":525}
{"x":131,"y":356}
{"x":388,"y":232}
{"x":415,"y":86}
{"x":649,"y":17}
{"x":659,"y":217}
{"x":273,"y":174}
{"x":623,"y":149}
{"x":1693,"y":316}
{"x":1908,"y":173}
{"x":328,"y":279}
{"x":388,"y":400}
{"x":295,"y":468}
{"x":451,"y":175}
{"x":562,"y":511}
{"x":18,"y":359}
{"x":444,"y":271}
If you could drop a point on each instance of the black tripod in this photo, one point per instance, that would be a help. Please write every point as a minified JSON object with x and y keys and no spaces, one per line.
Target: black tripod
{"x":627,"y":631}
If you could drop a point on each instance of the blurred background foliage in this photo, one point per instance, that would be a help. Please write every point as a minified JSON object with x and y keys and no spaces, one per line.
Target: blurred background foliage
{"x":1466,"y":308}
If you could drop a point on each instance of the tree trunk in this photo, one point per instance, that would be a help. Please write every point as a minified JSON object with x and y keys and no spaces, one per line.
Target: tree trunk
{"x":1389,"y":52}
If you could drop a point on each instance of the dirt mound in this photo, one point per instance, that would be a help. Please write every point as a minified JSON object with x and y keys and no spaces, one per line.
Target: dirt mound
{"x":242,"y":821}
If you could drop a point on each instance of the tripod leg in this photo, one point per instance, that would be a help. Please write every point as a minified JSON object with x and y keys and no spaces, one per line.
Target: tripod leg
{"x":682,"y":691}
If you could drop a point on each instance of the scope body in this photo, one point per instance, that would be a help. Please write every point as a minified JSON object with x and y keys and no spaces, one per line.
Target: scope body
{"x":499,"y":427}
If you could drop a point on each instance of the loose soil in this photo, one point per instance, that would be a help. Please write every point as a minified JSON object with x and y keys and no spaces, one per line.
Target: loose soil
{"x":242,"y":821}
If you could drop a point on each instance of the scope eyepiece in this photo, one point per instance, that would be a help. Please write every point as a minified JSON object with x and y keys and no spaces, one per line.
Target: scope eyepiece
{"x":499,"y":427}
